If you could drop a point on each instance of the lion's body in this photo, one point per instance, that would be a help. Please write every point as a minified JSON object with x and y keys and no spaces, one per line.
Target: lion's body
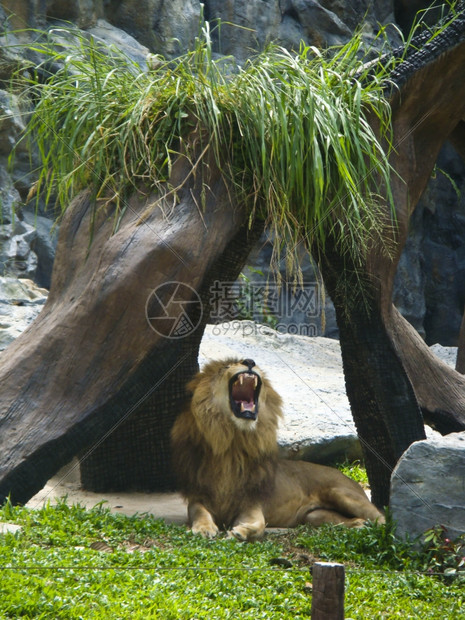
{"x":228,"y":467}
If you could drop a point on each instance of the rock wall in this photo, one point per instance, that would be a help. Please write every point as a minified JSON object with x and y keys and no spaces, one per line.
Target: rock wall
{"x":429,"y":289}
{"x":430,"y":281}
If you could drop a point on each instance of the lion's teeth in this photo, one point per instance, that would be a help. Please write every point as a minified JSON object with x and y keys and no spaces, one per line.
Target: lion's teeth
{"x":255,"y":380}
{"x":241,"y":379}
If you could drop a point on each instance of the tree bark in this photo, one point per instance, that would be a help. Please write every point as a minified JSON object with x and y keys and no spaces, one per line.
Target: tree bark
{"x":390,"y":377}
{"x":383,"y":404}
{"x":91,"y":357}
{"x":136,"y":455}
{"x":439,"y":389}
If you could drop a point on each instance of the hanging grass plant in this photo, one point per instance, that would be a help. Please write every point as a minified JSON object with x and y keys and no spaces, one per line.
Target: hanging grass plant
{"x":309,"y":150}
{"x":290,"y":132}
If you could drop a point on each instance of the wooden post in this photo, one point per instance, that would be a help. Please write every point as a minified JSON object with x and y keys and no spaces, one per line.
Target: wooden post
{"x":328,"y":591}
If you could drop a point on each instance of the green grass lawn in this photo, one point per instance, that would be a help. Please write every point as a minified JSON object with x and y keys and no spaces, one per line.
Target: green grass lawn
{"x":69,"y":562}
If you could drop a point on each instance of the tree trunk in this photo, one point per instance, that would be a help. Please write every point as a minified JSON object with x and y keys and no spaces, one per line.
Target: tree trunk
{"x":383,"y":404}
{"x":390,"y":378}
{"x":439,"y":389}
{"x":136,"y":455}
{"x":91,"y":357}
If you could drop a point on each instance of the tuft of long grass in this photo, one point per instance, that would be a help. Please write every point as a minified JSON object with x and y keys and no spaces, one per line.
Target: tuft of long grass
{"x":308,"y":148}
{"x":293,"y":133}
{"x":289,"y":131}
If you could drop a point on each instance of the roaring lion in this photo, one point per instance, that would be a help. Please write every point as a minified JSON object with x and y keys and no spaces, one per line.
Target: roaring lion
{"x":226,"y":460}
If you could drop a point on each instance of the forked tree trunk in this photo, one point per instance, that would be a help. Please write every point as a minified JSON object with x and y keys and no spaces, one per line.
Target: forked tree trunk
{"x":92,"y":358}
{"x":83,"y":370}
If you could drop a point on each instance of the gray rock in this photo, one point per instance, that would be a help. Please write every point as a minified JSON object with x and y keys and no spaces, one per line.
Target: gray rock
{"x":300,"y":310}
{"x":16,"y":255}
{"x":16,"y":236}
{"x":427,"y":486}
{"x":249,"y":25}
{"x":246,"y":27}
{"x":84,"y":13}
{"x":112,"y":36}
{"x":447,"y":354}
{"x":10,"y":201}
{"x":168,"y":28}
{"x":43,"y":245}
{"x":10,"y":528}
{"x":430,"y":282}
{"x":320,"y":23}
{"x":409,"y":282}
{"x":11,"y":58}
{"x":11,"y":123}
{"x":20,"y":303}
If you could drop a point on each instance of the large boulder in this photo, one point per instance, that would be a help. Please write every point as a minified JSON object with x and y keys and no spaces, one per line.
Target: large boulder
{"x":250,"y":24}
{"x":427,"y":487}
{"x":83,"y":13}
{"x":169,"y":28}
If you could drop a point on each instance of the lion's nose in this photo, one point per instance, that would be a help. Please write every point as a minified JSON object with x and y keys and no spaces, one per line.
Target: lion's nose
{"x":249,"y":363}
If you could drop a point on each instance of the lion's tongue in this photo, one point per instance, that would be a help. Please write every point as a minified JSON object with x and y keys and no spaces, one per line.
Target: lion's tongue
{"x":247,"y":406}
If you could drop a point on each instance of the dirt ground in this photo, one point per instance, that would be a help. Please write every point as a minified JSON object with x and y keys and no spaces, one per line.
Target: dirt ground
{"x":168,"y":506}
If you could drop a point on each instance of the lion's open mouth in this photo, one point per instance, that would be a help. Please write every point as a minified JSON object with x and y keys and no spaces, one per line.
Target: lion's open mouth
{"x":244,"y":389}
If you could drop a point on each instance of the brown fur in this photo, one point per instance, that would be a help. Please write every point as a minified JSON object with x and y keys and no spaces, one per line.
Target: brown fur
{"x":229,"y":471}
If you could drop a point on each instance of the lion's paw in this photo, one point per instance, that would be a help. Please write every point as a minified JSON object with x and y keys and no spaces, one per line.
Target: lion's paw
{"x":237,"y":533}
{"x":207,"y":530}
{"x":245,"y":531}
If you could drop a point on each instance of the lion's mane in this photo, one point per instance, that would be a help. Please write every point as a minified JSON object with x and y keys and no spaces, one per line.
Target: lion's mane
{"x":214,"y":458}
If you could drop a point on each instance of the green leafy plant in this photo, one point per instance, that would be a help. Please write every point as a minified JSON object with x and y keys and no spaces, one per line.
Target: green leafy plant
{"x":373,"y":546}
{"x":444,"y":555}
